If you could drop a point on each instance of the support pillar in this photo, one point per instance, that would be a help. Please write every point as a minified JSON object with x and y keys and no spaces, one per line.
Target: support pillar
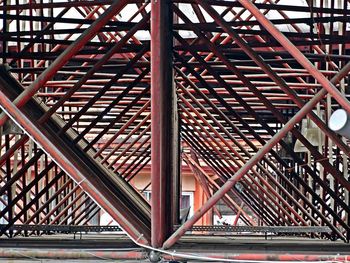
{"x":165,"y":151}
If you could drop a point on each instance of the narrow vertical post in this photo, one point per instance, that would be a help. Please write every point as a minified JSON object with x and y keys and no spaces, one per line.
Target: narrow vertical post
{"x":164,"y":149}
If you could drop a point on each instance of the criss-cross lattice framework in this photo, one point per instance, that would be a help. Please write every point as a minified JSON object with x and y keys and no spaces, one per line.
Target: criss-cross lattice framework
{"x":95,"y":93}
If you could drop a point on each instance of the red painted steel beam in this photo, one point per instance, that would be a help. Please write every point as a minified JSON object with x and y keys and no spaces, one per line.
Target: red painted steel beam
{"x":253,"y":161}
{"x":296,"y":53}
{"x":90,"y":73}
{"x":65,"y":254}
{"x":20,"y":172}
{"x":69,"y":52}
{"x":253,"y":113}
{"x":120,"y":131}
{"x":60,"y":203}
{"x":228,"y":134}
{"x":49,"y":201}
{"x":27,"y":188}
{"x":125,"y":110}
{"x":195,"y":167}
{"x":200,"y":177}
{"x":280,"y":206}
{"x":210,"y":160}
{"x":32,"y":202}
{"x":69,"y":167}
{"x":265,"y":100}
{"x":132,"y":133}
{"x":255,"y":172}
{"x":68,"y":254}
{"x":115,"y":102}
{"x":164,"y":148}
{"x":263,"y":257}
{"x":268,"y":70}
{"x":65,"y":208}
{"x":97,"y":96}
{"x":142,"y":143}
{"x":72,"y":214}
{"x":315,"y":177}
{"x":9,"y":153}
{"x":133,"y":168}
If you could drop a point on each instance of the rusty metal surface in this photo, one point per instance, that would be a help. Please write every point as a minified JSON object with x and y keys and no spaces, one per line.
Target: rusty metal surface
{"x":263,"y":229}
{"x":236,"y":93}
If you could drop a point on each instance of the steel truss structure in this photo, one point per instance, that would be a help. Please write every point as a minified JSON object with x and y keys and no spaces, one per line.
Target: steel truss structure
{"x":239,"y":92}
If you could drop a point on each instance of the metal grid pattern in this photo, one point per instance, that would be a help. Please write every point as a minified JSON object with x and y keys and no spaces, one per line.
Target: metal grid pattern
{"x":239,"y":92}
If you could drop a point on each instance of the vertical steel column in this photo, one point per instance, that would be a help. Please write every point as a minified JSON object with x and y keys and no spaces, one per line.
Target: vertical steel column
{"x":164,"y":150}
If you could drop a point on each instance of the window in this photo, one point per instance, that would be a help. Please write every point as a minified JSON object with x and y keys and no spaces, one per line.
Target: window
{"x":186,"y":200}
